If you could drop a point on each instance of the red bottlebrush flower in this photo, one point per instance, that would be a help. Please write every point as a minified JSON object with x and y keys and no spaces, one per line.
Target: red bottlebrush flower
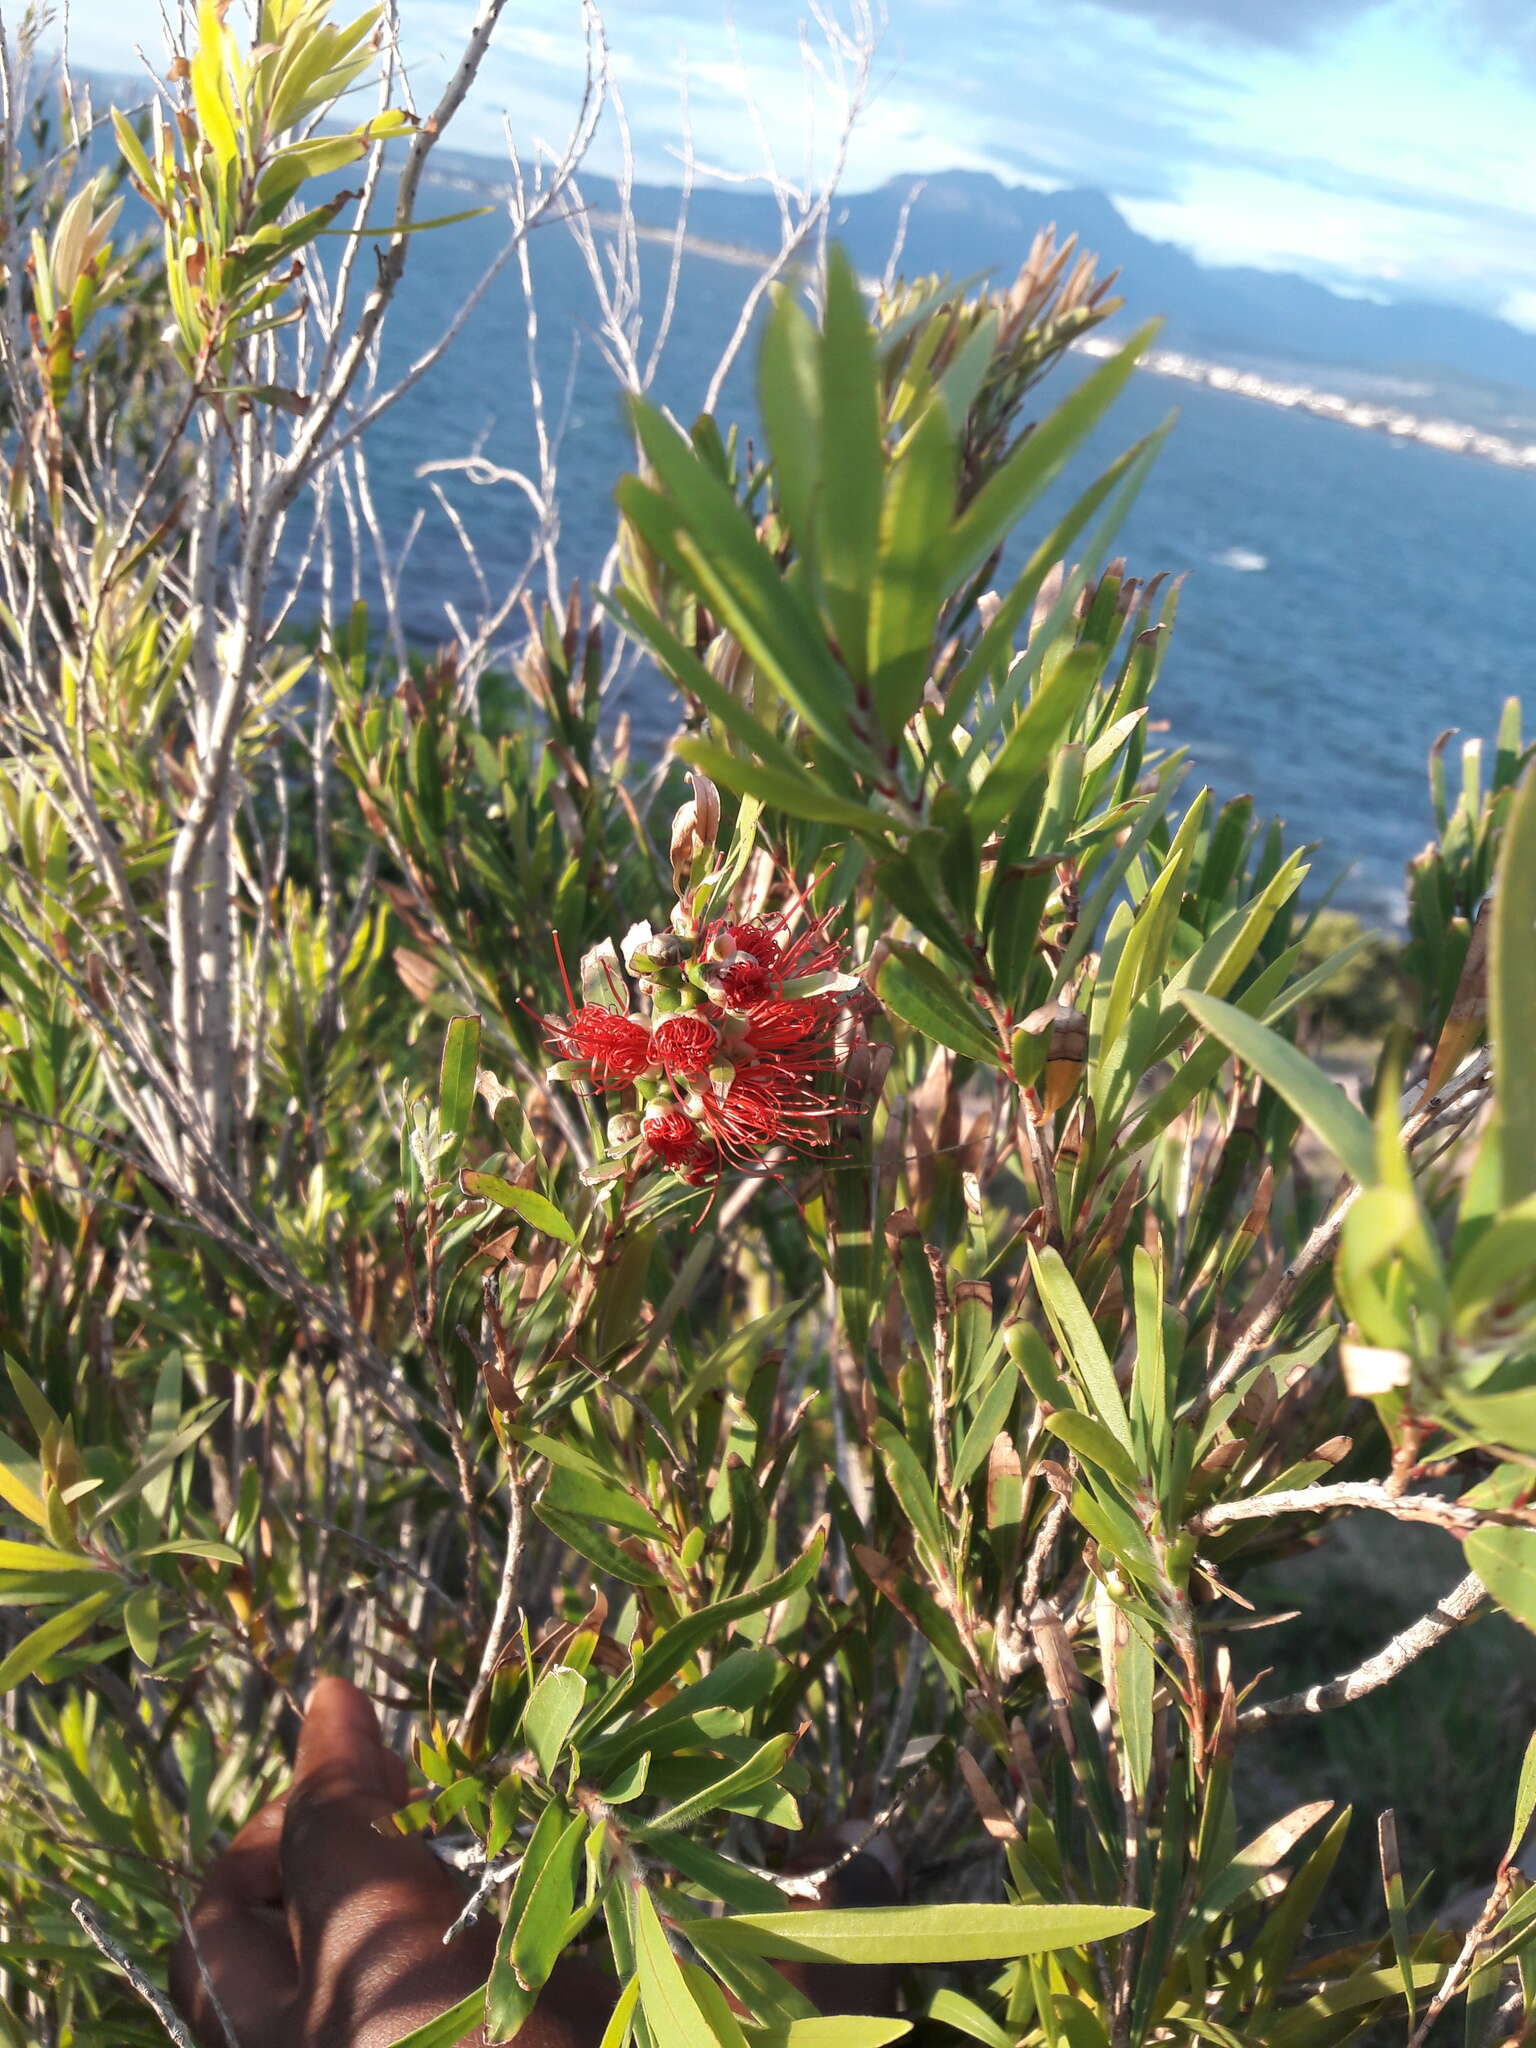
{"x":810,"y":951}
{"x":758,"y":940}
{"x":742,"y":983}
{"x":798,"y":1029}
{"x":686,"y":1044}
{"x":672,"y":1135}
{"x":701,"y":1168}
{"x":766,"y":1104}
{"x":613,"y":1048}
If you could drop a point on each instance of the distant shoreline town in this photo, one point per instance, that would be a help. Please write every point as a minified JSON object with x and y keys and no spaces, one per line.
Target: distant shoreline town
{"x":1395,"y":420}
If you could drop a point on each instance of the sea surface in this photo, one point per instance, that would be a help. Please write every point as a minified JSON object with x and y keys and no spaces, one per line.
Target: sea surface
{"x":1348,"y":596}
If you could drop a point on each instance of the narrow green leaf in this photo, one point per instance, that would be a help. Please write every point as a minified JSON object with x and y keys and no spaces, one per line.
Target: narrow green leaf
{"x":1036,"y":460}
{"x":990,"y":1418}
{"x":914,"y":1934}
{"x":191,"y":1546}
{"x":852,"y":465}
{"x":949,"y":2009}
{"x":37,"y":1557}
{"x":141,"y":1625}
{"x":1505,"y":1560}
{"x":55,"y":1634}
{"x":617,"y":2031}
{"x":669,"y":2006}
{"x":1149,"y":1376}
{"x":1525,"y":1800}
{"x":1044,"y":722}
{"x":908,"y":576}
{"x":1091,"y":1440}
{"x":913,"y":1490}
{"x":533,"y":1207}
{"x":846,"y":2031}
{"x":789,"y":394}
{"x":712,"y":544}
{"x":546,"y":1913}
{"x":21,"y":1482}
{"x":449,"y":2028}
{"x":1081,"y":1343}
{"x":456,"y":1085}
{"x":797,"y":795}
{"x":1320,"y":1103}
{"x":508,"y":2000}
{"x":551,"y":1714}
{"x":677,"y":1645}
{"x":202,"y":1421}
{"x":762,"y":1768}
{"x":1512,"y":994}
{"x":689,"y":673}
{"x":928,"y":999}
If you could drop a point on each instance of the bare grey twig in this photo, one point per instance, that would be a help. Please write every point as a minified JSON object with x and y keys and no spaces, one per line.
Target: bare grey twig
{"x":121,"y":1961}
{"x":1460,"y":1605}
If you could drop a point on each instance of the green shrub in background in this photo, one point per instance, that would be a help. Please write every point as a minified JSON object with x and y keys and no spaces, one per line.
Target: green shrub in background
{"x":840,"y":1353}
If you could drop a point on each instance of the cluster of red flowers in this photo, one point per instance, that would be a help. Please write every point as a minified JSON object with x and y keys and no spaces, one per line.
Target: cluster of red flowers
{"x":740,"y":1032}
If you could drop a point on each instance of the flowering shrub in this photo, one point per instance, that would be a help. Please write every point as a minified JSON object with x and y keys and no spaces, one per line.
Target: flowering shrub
{"x":849,"y":1393}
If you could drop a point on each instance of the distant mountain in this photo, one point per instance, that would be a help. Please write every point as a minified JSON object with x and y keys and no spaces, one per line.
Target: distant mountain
{"x":964,"y":222}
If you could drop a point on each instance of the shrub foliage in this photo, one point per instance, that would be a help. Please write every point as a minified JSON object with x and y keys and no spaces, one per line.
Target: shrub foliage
{"x":783,"y":1286}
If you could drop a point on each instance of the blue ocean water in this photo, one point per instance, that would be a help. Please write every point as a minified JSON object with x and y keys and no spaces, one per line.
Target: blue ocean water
{"x":1348,"y":596}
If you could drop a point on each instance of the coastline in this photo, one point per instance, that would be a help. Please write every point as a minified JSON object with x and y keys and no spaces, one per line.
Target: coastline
{"x":1453,"y":436}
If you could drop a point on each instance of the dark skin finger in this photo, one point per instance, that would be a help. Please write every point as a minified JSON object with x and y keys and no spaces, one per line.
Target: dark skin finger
{"x":242,"y":1945}
{"x":317,"y":1931}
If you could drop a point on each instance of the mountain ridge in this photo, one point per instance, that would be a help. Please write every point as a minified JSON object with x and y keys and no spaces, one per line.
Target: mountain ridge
{"x":967,"y":222}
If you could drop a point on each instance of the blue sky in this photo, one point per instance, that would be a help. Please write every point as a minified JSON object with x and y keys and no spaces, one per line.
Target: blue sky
{"x":1384,"y":146}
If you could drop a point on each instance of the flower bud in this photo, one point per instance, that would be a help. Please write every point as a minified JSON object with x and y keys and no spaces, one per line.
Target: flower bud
{"x":1066,"y":1052}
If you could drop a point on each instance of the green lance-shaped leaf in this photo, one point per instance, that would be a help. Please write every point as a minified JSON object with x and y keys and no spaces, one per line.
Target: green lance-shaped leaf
{"x":547,"y":1909}
{"x":797,"y":795}
{"x":1512,"y":995}
{"x":1097,"y":1445}
{"x":789,"y":395}
{"x":676,"y":1646}
{"x":847,"y":2030}
{"x":914,"y":1934}
{"x":908,"y":575}
{"x":1525,"y":1801}
{"x":1046,"y":720}
{"x":1082,"y":1344}
{"x":763,"y":1767}
{"x":21,"y":1483}
{"x":688,"y":672}
{"x":669,"y":2006}
{"x":926,"y":997}
{"x":54,"y":1635}
{"x":848,"y":503}
{"x":510,"y":1995}
{"x":456,"y":1085}
{"x":533,"y":1207}
{"x":37,"y":1557}
{"x":1036,"y":460}
{"x":909,"y":1482}
{"x":551,"y":1713}
{"x":1320,"y":1103}
{"x":1505,"y":1560}
{"x":449,"y":2028}
{"x":701,"y":529}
